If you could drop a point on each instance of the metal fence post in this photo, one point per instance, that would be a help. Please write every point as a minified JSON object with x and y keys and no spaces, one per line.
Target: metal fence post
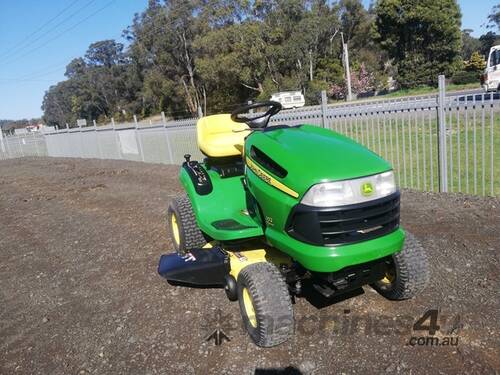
{"x":117,"y":138}
{"x":2,"y":146}
{"x":138,"y":137}
{"x":20,"y":146}
{"x":324,"y":103}
{"x":35,"y":143}
{"x":68,"y":142}
{"x":80,"y":136}
{"x":97,"y":139}
{"x":7,"y":144}
{"x":443,"y":171}
{"x":167,"y":138}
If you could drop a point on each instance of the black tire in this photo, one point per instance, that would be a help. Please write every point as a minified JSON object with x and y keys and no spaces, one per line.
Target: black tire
{"x":410,"y":271}
{"x":272,"y":323}
{"x":189,"y":234}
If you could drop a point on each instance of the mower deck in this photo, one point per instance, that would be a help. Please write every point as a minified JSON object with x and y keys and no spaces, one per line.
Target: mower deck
{"x":210,"y":265}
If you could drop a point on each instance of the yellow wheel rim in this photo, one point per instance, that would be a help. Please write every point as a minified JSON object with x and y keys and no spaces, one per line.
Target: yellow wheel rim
{"x":249,"y":309}
{"x":389,"y":276}
{"x":175,"y":229}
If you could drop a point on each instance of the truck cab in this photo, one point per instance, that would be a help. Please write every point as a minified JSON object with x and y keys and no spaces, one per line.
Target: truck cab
{"x":490,"y":80}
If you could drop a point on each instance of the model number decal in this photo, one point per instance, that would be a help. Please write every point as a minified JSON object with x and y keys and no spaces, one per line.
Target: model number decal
{"x":270,"y":180}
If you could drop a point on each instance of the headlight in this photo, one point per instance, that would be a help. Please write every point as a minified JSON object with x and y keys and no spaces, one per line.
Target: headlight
{"x":341,"y":193}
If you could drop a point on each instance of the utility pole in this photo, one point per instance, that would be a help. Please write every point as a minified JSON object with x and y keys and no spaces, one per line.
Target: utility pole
{"x":346,"y":67}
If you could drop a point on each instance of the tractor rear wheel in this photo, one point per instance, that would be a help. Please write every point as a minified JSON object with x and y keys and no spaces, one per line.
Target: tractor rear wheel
{"x":408,"y":273}
{"x":265,"y":304}
{"x":184,"y":230}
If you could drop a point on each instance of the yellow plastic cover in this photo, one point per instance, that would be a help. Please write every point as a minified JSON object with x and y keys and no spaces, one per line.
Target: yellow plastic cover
{"x":219,"y":136}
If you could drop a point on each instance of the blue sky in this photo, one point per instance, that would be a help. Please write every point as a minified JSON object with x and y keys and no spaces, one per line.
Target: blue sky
{"x":34,"y":51}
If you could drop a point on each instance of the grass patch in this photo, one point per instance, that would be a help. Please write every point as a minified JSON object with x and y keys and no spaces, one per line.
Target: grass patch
{"x":424,"y":90}
{"x":409,"y":141}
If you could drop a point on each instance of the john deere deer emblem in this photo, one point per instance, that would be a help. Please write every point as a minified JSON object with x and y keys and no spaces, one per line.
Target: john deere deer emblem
{"x":367,"y":189}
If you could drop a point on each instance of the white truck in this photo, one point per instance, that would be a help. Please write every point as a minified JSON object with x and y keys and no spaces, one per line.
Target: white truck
{"x":490,"y":79}
{"x":289,"y":99}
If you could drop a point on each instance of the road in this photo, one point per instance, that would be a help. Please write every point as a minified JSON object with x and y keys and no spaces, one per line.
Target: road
{"x":478,"y":95}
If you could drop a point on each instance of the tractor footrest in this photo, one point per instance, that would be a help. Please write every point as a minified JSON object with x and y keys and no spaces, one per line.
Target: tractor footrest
{"x":199,"y":267}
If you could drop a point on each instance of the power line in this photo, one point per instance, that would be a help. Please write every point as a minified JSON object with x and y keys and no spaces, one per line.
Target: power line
{"x":20,"y":49}
{"x":34,"y":77}
{"x":11,"y":80}
{"x":51,"y":29}
{"x":41,"y":72}
{"x":46,"y":71}
{"x":41,"y":27}
{"x":61,"y":34}
{"x":54,"y":68}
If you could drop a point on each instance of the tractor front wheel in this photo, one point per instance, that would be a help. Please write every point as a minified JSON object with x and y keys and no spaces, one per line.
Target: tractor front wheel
{"x":265,"y":304}
{"x":407,"y":274}
{"x":184,"y":230}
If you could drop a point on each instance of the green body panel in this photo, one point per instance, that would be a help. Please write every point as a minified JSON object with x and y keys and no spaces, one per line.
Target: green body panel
{"x":276,"y":207}
{"x":310,"y":155}
{"x":226,"y":201}
{"x":331,"y":259}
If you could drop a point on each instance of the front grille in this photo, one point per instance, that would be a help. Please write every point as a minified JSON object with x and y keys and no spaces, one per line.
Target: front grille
{"x":346,"y":224}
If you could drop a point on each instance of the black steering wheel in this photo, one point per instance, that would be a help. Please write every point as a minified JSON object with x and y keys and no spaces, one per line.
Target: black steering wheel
{"x":256,"y":121}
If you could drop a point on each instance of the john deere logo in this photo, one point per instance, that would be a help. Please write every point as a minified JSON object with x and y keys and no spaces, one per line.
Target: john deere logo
{"x":367,"y":189}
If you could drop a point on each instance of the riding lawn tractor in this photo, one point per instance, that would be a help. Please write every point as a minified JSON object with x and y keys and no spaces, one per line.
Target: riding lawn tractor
{"x":274,"y":211}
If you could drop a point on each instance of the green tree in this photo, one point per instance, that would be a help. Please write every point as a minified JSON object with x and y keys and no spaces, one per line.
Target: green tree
{"x":487,"y":41}
{"x":216,"y":54}
{"x":100,"y":85}
{"x":469,"y":44}
{"x":355,"y":22}
{"x":494,"y":18}
{"x":422,"y":38}
{"x":105,"y":53}
{"x":276,"y":46}
{"x":162,"y":46}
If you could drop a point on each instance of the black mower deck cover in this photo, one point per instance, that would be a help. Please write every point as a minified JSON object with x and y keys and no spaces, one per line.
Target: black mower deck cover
{"x":199,"y":267}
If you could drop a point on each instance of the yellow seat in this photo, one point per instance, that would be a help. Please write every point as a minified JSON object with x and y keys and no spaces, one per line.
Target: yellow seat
{"x":217,"y":136}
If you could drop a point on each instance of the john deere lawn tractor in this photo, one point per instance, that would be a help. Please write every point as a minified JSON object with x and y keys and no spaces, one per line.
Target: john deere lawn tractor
{"x":273,"y":212}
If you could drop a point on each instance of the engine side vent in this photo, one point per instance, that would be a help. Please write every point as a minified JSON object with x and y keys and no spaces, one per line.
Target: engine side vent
{"x":268,"y":163}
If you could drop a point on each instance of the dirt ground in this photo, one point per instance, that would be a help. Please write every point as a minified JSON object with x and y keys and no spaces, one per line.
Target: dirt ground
{"x":79,"y":293}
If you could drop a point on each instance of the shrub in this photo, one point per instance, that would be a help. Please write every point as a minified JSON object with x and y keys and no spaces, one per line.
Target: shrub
{"x":313,"y":91}
{"x":464,"y":77}
{"x":476,"y":63}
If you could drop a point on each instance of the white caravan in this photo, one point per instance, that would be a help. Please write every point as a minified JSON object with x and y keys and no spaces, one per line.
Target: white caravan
{"x":289,"y":99}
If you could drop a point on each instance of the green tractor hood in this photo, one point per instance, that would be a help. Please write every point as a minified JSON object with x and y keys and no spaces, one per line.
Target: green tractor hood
{"x":311,"y":155}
